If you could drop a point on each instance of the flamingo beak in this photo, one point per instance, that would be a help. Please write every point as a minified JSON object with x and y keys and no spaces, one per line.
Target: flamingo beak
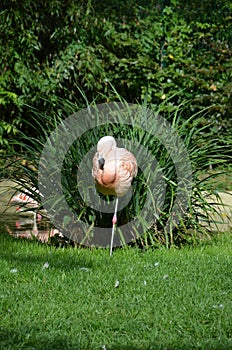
{"x":101,"y":163}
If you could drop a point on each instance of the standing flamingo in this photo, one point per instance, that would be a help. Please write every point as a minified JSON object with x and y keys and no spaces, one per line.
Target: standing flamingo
{"x":113,"y":171}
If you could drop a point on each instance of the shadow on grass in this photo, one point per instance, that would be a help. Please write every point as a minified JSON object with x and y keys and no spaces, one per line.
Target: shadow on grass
{"x":24,"y":252}
{"x":17,"y":340}
{"x":30,"y":340}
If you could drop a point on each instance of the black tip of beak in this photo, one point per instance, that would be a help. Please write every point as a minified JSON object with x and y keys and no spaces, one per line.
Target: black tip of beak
{"x":101,"y":163}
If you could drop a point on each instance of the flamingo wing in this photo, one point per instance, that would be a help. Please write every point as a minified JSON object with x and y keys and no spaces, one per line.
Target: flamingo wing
{"x":126,"y":171}
{"x":114,"y":172}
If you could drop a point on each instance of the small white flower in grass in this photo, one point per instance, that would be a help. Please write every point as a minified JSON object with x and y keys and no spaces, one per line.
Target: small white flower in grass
{"x":145,"y":283}
{"x":45,"y":265}
{"x":220,"y":306}
{"x":103,"y":347}
{"x":165,"y":277}
{"x":13,"y":271}
{"x":83,"y":269}
{"x":116,"y":284}
{"x":156,"y":264}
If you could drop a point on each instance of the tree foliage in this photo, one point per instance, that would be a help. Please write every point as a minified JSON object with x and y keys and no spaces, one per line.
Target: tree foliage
{"x":149,"y":50}
{"x":173,"y":56}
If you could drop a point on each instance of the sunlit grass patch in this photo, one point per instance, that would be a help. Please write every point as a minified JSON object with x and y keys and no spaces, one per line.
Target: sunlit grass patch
{"x":83,"y":299}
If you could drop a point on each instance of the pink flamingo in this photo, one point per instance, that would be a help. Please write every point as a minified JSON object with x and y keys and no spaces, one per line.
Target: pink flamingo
{"x":113,"y":171}
{"x":24,"y":200}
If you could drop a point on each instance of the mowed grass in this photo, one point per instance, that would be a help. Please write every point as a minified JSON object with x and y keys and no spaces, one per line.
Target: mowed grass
{"x":67,"y":298}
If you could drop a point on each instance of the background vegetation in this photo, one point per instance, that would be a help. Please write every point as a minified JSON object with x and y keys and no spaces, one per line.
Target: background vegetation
{"x":145,"y":49}
{"x":174,"y":56}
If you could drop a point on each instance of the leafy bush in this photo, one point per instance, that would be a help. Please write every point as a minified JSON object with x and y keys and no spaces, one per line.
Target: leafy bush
{"x":146,"y":51}
{"x":58,"y":56}
{"x":24,"y":170}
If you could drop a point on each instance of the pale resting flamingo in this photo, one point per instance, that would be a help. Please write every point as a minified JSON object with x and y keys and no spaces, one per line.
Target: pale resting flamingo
{"x":113,"y":171}
{"x":24,"y":200}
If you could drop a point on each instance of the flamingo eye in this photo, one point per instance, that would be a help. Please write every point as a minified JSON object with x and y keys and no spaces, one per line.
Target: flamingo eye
{"x":101,"y":163}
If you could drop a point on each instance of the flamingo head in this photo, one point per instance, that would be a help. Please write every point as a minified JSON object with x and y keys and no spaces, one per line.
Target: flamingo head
{"x":105,"y":144}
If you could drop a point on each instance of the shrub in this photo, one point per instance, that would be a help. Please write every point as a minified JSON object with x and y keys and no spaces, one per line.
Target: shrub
{"x":146,"y":51}
{"x":163,"y":226}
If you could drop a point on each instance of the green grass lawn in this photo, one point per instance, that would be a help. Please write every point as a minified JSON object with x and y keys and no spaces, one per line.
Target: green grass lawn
{"x":66,"y":298}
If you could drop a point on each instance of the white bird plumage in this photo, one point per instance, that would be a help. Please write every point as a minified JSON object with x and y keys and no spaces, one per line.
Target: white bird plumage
{"x":113,"y":171}
{"x":23,"y":202}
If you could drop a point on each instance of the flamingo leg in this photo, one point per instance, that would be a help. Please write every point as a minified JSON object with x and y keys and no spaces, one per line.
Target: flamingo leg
{"x":114,"y":222}
{"x":34,"y":229}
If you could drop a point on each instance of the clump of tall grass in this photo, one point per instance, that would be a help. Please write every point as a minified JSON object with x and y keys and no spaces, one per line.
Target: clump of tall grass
{"x":166,"y":163}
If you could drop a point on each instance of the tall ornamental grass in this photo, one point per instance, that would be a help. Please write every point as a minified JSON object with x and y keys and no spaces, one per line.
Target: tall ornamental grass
{"x":23,"y":160}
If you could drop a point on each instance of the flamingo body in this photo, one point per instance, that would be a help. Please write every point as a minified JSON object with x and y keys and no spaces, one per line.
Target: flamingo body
{"x":24,"y":200}
{"x":113,"y":168}
{"x":113,"y":171}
